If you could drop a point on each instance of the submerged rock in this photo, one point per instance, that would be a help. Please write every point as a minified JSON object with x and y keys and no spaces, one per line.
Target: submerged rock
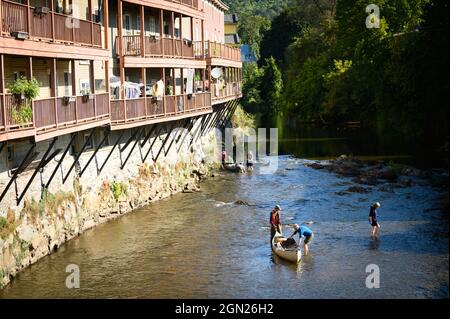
{"x":242,"y":202}
{"x":358,"y":189}
{"x":315,"y":165}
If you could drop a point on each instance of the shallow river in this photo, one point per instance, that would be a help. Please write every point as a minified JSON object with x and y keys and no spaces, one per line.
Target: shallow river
{"x":203,"y":245}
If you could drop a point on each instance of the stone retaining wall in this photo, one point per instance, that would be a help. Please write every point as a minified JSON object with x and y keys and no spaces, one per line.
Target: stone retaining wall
{"x":45,"y":220}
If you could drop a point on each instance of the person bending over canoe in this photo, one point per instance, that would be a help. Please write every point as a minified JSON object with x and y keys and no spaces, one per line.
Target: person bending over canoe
{"x":275,"y":221}
{"x":305,"y":232}
{"x":373,"y":219}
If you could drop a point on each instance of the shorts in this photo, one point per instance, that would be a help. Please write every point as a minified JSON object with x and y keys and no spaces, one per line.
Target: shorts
{"x":374,"y":223}
{"x":250,"y":164}
{"x":308,"y":239}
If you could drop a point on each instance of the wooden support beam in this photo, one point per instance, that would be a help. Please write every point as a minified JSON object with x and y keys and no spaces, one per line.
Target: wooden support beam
{"x":99,"y":170}
{"x":53,"y":87}
{"x":173,"y":32}
{"x":195,"y":134}
{"x":2,"y":90}
{"x":147,"y":137}
{"x":37,"y":169}
{"x":121,"y":149}
{"x":1,"y":20}
{"x":191,"y":125}
{"x":29,"y":30}
{"x":91,"y":20}
{"x":120,"y":49}
{"x":78,"y":155}
{"x":181,"y":34}
{"x":106,"y":22}
{"x":74,"y":88}
{"x":203,"y":37}
{"x":153,"y":143}
{"x":92,"y":84}
{"x":164,"y":143}
{"x":161,"y":31}
{"x":177,"y":134}
{"x":142,"y":27}
{"x":95,"y":152}
{"x":60,"y":161}
{"x":144,"y":89}
{"x":25,"y":162}
{"x":140,"y":130}
{"x":52,"y":9}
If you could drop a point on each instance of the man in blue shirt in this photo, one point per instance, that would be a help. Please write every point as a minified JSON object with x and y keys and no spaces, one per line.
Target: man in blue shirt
{"x":305,"y":232}
{"x":373,"y":219}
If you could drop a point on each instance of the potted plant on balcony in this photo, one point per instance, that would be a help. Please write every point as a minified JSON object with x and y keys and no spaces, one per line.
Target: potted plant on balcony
{"x":24,"y":91}
{"x":169,"y":89}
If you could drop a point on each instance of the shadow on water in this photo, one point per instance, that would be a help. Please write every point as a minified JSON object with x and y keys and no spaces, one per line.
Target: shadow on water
{"x":323,"y":142}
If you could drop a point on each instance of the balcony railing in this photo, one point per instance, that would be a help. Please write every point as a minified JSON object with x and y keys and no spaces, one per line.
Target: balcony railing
{"x":190,"y":3}
{"x":124,"y":111}
{"x":222,"y":51}
{"x":160,"y":47}
{"x":15,"y":17}
{"x":54,"y":112}
{"x":227,"y":91}
{"x":10,"y":107}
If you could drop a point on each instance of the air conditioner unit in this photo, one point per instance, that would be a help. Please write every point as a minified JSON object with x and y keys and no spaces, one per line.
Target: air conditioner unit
{"x":68,"y":99}
{"x":20,"y":35}
{"x":41,"y":10}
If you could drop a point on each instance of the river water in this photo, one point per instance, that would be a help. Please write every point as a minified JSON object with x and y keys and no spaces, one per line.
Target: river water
{"x":203,"y":245}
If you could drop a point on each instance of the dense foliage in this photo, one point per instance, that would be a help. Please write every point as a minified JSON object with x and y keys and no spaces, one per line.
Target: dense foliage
{"x":265,"y":8}
{"x":333,"y":68}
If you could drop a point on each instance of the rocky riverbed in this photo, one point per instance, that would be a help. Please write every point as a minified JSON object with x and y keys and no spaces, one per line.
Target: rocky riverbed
{"x":381,"y":175}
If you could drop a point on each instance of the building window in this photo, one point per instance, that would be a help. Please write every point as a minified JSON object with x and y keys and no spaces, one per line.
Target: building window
{"x":152,"y":25}
{"x":85,"y":87}
{"x":127,"y":24}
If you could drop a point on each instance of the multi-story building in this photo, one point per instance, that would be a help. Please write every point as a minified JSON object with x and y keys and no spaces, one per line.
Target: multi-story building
{"x":231,"y":30}
{"x":110,"y":64}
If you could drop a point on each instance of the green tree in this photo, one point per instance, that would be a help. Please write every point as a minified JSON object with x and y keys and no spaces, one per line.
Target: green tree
{"x":251,"y":30}
{"x":251,"y":98}
{"x":271,"y":86}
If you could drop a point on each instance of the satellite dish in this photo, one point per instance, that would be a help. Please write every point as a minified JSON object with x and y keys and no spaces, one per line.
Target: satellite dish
{"x":216,"y":73}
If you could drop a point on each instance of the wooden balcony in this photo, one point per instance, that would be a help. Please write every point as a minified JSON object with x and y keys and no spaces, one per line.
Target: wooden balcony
{"x":222,"y":51}
{"x":142,"y":111}
{"x":229,"y":91}
{"x":161,"y":47}
{"x":189,"y":3}
{"x":10,"y":127}
{"x":55,"y":116}
{"x":49,"y":27}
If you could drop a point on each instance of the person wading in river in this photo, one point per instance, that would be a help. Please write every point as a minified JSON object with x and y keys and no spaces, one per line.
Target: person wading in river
{"x":303,"y":232}
{"x":275,"y":221}
{"x":250,"y":161}
{"x":373,"y":219}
